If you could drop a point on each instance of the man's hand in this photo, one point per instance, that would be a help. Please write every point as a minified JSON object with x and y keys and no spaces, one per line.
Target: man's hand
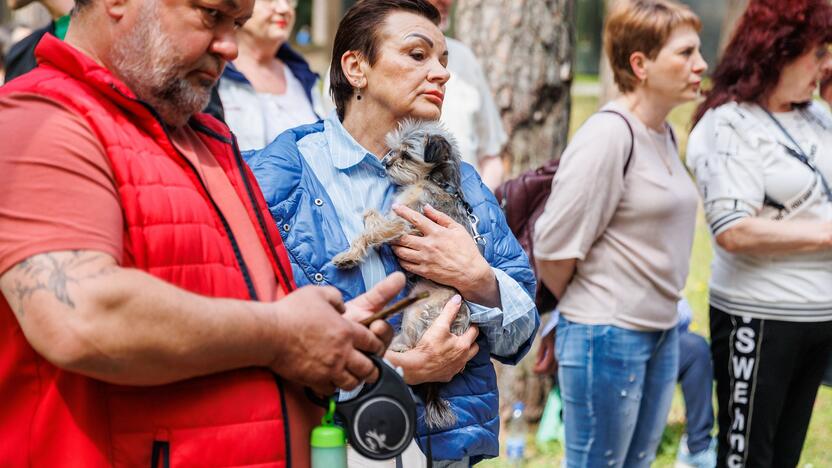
{"x":85,"y":314}
{"x":373,"y":301}
{"x":320,"y":348}
{"x":546,"y":364}
{"x":446,"y":254}
{"x":439,"y":355}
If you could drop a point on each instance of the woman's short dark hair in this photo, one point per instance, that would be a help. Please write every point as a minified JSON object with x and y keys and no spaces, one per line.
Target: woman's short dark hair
{"x":359,"y":31}
{"x":769,"y":35}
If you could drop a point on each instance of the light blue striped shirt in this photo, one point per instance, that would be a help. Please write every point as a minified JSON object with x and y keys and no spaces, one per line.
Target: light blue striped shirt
{"x":356,"y":181}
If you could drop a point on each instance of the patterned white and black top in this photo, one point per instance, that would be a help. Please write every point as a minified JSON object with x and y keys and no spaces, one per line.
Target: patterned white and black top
{"x":747,"y":165}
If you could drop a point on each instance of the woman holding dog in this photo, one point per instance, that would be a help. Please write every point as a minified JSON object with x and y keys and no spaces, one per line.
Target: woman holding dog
{"x":761,"y":151}
{"x":614,"y":241}
{"x":388,"y":65}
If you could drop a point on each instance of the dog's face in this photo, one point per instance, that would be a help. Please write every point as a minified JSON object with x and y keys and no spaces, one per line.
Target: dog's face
{"x":422,"y":150}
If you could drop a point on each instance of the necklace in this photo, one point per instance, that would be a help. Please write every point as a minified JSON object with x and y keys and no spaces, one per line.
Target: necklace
{"x":652,"y":134}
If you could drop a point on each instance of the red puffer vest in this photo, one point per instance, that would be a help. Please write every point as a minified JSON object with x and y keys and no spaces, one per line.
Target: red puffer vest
{"x":173,"y":230}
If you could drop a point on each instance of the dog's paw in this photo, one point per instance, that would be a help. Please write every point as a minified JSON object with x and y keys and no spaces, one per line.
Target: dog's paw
{"x":398,"y":347}
{"x":399,"y":344}
{"x":345,"y":260}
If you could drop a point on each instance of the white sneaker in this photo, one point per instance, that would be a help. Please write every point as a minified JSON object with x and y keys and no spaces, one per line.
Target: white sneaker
{"x":704,"y":459}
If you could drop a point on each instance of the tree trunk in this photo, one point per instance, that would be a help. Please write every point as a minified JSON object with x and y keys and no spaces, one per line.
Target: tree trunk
{"x":526,"y":50}
{"x":733,"y":10}
{"x":325,"y":17}
{"x":609,"y":90}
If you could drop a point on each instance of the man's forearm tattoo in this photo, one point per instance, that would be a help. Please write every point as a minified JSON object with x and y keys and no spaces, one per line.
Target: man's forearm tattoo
{"x":53,"y":273}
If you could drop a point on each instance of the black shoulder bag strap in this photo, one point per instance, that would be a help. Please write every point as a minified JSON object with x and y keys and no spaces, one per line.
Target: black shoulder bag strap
{"x":799,"y":154}
{"x":672,"y":136}
{"x":632,"y":136}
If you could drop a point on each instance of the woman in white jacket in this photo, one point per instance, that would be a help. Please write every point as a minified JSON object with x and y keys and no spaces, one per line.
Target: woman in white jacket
{"x":269,"y":88}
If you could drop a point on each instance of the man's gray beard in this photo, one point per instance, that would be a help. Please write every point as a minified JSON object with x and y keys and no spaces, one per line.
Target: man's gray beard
{"x":147,"y":62}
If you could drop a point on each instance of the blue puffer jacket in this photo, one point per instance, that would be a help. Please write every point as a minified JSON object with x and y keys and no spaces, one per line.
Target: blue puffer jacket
{"x":312,"y":234}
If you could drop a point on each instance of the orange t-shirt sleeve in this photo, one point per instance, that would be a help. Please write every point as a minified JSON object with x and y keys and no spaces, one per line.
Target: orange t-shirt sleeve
{"x":57,"y":189}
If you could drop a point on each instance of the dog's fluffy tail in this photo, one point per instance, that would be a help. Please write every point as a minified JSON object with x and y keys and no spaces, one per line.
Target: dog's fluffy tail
{"x":438,"y":412}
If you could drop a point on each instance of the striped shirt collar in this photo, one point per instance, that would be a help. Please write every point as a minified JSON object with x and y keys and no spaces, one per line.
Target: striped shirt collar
{"x":344,"y":150}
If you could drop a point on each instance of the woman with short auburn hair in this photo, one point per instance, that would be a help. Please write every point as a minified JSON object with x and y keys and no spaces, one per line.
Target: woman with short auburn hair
{"x":761,"y":152}
{"x":614,"y":241}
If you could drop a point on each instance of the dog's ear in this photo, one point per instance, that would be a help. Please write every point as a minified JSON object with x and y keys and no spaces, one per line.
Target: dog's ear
{"x":445,"y":166}
{"x":437,"y":149}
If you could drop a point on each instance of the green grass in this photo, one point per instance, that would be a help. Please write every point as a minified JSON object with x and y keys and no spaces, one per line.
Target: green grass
{"x":584,"y":78}
{"x":817,"y":451}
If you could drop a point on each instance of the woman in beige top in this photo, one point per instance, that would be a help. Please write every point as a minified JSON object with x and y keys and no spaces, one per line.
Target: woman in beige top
{"x":614,"y":240}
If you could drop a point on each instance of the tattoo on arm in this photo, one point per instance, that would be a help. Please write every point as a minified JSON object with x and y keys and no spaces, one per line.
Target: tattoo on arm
{"x":52,"y":273}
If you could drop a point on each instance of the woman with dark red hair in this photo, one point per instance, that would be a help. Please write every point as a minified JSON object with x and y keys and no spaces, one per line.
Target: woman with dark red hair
{"x":761,"y":152}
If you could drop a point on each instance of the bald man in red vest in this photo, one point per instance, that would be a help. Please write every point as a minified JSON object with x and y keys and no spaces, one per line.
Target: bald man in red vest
{"x":148,"y":311}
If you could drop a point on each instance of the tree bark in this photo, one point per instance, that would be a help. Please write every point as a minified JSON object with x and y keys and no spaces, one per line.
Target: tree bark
{"x":526,"y":50}
{"x":325,"y":17}
{"x":609,"y":90}
{"x":733,"y":10}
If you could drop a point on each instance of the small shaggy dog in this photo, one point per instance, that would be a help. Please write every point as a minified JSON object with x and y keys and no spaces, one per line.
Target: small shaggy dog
{"x":424,"y":163}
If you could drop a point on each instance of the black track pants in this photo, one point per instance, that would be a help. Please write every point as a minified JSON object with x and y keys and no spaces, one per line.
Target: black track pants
{"x":767,"y":376}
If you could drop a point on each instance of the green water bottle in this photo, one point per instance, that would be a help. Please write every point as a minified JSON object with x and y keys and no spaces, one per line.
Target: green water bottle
{"x":329,"y":442}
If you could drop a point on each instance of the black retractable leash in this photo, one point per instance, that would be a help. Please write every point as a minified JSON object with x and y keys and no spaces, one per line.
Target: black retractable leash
{"x":381,"y":420}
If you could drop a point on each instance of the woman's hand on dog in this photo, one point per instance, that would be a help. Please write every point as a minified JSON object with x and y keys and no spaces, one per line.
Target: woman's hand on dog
{"x":446,"y":254}
{"x":439,"y":355}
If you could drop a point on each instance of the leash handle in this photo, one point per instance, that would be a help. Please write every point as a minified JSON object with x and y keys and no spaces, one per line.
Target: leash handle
{"x":395,"y":308}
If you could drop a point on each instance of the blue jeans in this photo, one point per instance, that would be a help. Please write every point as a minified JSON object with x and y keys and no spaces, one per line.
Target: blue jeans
{"x":617,"y":386}
{"x":696,"y":374}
